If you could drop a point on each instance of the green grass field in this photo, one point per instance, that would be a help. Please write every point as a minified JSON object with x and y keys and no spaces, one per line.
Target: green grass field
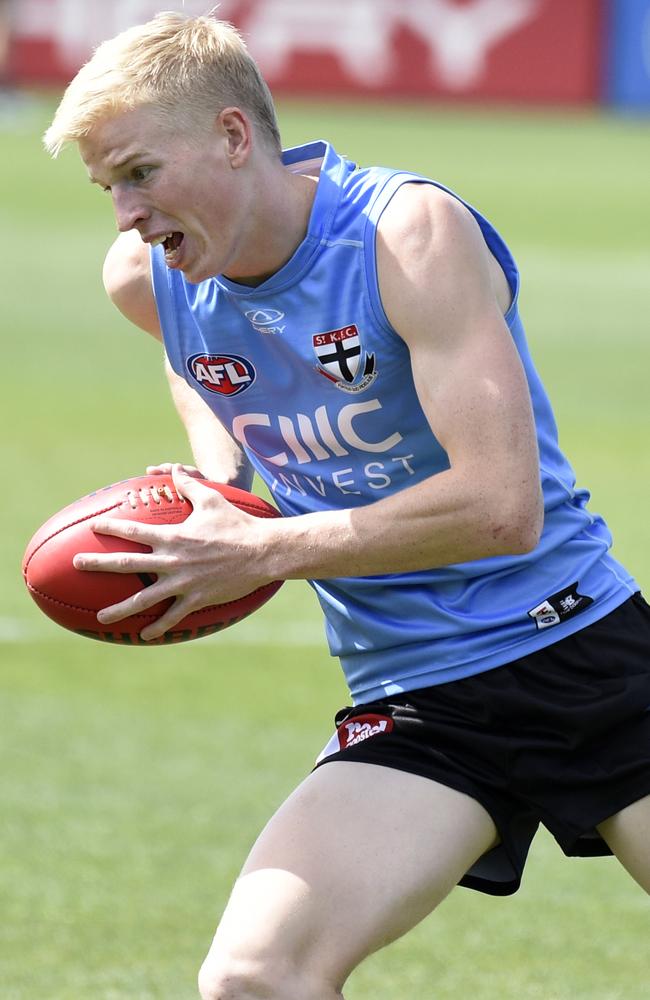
{"x":133,"y":781}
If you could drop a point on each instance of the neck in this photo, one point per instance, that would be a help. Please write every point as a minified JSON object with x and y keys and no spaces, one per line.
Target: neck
{"x":278,"y":225}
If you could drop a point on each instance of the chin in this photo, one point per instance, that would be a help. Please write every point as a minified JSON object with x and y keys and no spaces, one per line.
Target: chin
{"x":194,"y":277}
{"x":198,"y":272}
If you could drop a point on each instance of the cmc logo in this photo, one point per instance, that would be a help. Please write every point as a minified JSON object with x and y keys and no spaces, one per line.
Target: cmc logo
{"x":227,"y":374}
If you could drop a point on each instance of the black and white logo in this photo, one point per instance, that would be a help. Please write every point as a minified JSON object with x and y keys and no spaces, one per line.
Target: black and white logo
{"x":342,"y":360}
{"x":560,"y":607}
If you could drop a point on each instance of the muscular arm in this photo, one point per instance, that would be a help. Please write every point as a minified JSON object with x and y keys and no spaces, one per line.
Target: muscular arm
{"x":445,"y":296}
{"x":441,"y":292}
{"x":127,"y":281}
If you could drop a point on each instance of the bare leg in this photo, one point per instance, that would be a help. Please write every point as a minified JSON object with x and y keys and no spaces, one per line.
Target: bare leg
{"x":357,"y":855}
{"x":628,"y":835}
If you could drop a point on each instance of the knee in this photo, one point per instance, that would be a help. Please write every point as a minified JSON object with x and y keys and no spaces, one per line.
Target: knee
{"x":223,"y":977}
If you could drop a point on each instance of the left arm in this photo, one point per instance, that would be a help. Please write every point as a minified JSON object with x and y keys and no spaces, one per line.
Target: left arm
{"x":439,"y":287}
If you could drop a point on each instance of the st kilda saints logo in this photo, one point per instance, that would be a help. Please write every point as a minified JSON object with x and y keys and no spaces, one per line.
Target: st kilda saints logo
{"x":227,"y":374}
{"x":342,"y":360}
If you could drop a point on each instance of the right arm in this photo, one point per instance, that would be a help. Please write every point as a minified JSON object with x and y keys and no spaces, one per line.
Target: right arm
{"x":127,"y":280}
{"x":216,"y":453}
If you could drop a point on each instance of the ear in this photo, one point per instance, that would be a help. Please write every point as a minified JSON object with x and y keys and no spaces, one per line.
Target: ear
{"x":235,"y":125}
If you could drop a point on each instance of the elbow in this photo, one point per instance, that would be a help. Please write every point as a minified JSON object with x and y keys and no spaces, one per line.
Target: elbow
{"x":524,"y":539}
{"x":517,"y":526}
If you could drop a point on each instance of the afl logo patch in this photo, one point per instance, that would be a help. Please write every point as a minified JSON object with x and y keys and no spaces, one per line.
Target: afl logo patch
{"x":227,"y":374}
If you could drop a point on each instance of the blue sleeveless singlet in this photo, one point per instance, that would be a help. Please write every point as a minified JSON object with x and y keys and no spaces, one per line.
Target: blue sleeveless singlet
{"x":308,"y":375}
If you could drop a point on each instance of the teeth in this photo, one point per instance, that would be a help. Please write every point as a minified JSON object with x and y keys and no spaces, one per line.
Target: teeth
{"x":160,"y":239}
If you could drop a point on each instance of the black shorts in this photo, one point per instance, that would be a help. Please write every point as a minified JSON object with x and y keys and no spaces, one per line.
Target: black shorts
{"x":560,"y":737}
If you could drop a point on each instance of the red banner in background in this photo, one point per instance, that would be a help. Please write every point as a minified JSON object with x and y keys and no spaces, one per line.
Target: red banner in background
{"x":512,"y":50}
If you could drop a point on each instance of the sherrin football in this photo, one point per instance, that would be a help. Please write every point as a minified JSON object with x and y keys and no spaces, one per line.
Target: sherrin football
{"x":72,"y":597}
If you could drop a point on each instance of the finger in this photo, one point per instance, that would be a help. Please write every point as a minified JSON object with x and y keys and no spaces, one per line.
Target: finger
{"x":139,"y":602}
{"x":189,"y":486}
{"x":119,"y":562}
{"x":165,"y":469}
{"x":134,"y":531}
{"x":174,"y":614}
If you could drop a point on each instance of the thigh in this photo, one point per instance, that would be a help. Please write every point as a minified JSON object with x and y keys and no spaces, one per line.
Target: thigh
{"x":627,"y":834}
{"x":355,"y":857}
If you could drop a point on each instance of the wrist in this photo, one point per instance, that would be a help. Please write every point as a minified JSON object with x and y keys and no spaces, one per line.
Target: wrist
{"x":301,"y":547}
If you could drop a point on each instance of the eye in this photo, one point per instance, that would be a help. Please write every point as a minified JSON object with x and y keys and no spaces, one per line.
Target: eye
{"x":139,"y":174}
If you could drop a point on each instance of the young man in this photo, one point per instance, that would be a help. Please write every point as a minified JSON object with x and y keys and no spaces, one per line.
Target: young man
{"x":353,"y":335}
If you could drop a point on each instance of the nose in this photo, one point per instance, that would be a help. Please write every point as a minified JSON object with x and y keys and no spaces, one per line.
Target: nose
{"x":128,"y":207}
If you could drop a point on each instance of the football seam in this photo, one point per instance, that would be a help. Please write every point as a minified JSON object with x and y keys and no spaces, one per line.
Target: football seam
{"x":64,"y":527}
{"x":261,"y":511}
{"x":140,"y":614}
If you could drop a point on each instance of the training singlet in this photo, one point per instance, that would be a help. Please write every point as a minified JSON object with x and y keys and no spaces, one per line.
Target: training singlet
{"x":307,"y":373}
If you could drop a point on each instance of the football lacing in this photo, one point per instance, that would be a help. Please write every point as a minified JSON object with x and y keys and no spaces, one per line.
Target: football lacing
{"x":148,"y":493}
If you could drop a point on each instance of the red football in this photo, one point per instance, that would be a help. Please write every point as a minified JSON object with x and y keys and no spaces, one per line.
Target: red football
{"x":73,"y":597}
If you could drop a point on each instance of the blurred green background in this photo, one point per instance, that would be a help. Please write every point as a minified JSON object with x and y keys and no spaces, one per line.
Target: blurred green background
{"x":134,"y":780}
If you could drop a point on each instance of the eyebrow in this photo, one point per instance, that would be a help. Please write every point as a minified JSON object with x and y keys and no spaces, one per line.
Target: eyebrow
{"x":118,"y":166}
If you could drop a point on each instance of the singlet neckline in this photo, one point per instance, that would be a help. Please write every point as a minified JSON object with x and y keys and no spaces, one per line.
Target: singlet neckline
{"x":326,"y":200}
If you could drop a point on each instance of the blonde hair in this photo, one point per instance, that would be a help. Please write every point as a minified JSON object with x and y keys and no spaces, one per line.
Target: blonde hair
{"x":173,"y":63}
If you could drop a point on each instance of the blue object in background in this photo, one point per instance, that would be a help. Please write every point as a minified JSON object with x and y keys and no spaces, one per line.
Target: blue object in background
{"x":628,"y":54}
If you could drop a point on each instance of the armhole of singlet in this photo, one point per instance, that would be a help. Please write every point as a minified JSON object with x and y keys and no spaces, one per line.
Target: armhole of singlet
{"x":493,"y":240}
{"x":375,"y":211}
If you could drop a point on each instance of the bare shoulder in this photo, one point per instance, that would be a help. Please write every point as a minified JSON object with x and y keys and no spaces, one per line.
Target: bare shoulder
{"x":419,"y":210}
{"x":422,"y":223}
{"x":432,"y":257}
{"x":127,"y":280}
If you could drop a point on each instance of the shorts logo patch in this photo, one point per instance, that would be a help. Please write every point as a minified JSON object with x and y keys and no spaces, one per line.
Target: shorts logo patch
{"x":361,"y":728}
{"x":342,"y":360}
{"x":560,"y":607}
{"x":227,"y":374}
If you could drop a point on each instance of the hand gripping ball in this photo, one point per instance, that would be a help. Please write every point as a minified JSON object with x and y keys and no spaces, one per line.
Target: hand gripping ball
{"x":72,"y":597}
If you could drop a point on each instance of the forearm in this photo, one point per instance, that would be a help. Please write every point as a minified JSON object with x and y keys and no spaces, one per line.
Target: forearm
{"x":219,"y":458}
{"x":441,"y":521}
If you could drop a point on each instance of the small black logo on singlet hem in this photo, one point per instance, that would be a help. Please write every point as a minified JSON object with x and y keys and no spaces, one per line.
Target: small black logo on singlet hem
{"x":560,"y":607}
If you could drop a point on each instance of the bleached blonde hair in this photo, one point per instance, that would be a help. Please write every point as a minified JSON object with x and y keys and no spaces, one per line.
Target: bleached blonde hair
{"x":185,"y":68}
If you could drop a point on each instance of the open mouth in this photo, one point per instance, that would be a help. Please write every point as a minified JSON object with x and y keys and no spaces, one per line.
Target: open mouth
{"x":172,"y":244}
